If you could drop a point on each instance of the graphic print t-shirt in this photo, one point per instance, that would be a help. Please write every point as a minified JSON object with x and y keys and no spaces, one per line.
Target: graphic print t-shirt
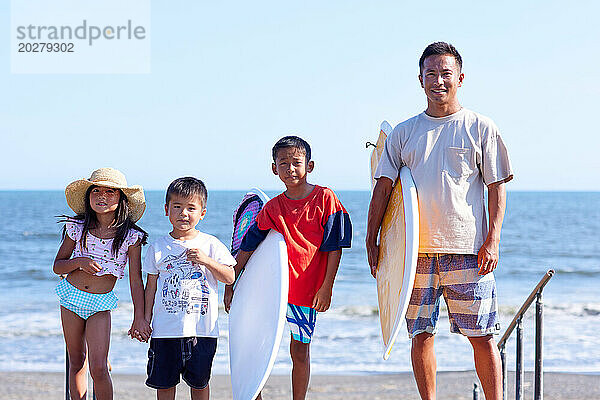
{"x":186,"y":301}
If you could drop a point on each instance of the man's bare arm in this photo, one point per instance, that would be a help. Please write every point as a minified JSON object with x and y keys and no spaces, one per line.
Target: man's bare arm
{"x":488,"y":255}
{"x":377,"y":207}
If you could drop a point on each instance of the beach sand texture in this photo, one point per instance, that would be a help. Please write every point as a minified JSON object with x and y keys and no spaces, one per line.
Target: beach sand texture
{"x":451,"y":385}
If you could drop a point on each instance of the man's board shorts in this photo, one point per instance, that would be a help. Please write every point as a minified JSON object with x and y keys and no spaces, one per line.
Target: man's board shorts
{"x":470,"y":297}
{"x":302,"y":321}
{"x":188,"y":357}
{"x":83,"y":303}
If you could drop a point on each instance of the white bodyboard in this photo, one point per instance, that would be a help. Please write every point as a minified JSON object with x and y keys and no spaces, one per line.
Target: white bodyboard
{"x":257,"y":316}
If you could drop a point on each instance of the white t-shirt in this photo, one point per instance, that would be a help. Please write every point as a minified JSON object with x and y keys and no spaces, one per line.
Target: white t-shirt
{"x":451,"y":158}
{"x":186,"y":300}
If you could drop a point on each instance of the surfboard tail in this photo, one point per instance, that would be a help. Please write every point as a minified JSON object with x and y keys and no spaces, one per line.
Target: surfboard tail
{"x":386,"y":128}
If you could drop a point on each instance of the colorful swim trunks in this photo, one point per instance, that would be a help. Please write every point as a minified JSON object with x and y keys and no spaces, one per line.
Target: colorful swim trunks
{"x":470,"y":297}
{"x":301,"y":320}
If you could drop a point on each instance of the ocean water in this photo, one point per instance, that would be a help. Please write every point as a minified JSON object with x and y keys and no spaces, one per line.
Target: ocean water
{"x":541,"y":231}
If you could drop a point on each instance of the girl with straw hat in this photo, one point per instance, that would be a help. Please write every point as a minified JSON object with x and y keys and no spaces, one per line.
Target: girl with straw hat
{"x":97,"y":244}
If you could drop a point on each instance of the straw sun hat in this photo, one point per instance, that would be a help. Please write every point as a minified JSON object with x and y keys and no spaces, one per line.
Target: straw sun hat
{"x":107,"y":177}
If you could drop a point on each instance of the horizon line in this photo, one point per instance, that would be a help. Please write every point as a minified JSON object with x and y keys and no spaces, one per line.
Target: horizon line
{"x":337,"y":190}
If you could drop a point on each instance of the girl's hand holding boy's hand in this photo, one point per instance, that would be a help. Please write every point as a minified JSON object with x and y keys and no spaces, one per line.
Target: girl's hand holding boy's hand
{"x":140,"y":330}
{"x":88,"y":265}
{"x":197,"y":256}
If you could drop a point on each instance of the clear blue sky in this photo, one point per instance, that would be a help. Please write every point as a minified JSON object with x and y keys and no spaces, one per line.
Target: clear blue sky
{"x":229,"y":78}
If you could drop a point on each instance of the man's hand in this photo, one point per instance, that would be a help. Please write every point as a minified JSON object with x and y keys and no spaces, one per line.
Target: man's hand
{"x":322,"y":299}
{"x":197,"y":256}
{"x":88,"y":265}
{"x":373,"y":256}
{"x":227,"y":297}
{"x":487,"y":258}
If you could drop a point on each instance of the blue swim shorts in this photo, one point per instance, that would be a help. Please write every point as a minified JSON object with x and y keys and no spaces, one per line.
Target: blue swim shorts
{"x":302,"y":321}
{"x":83,"y":303}
{"x":470,"y":297}
{"x":188,"y":357}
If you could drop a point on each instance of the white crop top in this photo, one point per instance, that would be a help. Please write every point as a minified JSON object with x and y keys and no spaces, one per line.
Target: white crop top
{"x":100,"y":250}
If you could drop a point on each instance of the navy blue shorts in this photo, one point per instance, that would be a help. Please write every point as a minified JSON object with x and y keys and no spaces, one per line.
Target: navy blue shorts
{"x":190,"y":357}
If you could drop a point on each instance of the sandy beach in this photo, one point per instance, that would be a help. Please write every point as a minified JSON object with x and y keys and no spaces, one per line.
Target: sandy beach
{"x":451,"y":385}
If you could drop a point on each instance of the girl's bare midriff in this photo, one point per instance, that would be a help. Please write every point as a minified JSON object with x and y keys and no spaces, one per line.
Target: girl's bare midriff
{"x":91,"y":283}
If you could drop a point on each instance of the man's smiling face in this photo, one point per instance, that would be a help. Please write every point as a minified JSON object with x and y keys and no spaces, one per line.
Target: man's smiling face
{"x":441,"y":79}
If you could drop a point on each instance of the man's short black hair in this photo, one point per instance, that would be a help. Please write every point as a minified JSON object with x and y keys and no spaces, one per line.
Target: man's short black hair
{"x":292,"y":141}
{"x":187,"y":187}
{"x":439,"y":49}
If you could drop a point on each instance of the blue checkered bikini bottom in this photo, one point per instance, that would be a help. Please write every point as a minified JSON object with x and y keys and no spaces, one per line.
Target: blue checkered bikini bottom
{"x":83,"y":303}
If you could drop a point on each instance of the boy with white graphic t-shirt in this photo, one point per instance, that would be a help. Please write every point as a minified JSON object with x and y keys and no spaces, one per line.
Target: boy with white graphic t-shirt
{"x":181,"y":294}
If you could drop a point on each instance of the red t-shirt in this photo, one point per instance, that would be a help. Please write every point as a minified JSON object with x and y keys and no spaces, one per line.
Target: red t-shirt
{"x":311,"y":227}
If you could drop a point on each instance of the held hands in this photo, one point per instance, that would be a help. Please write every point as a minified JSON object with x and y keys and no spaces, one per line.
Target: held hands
{"x":227,"y":297}
{"x":487,"y":257}
{"x":140,"y":330}
{"x":197,"y":256}
{"x":88,"y":265}
{"x":322,"y":299}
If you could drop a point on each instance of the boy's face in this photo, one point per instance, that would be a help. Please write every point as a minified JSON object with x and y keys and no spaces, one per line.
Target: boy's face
{"x":185,"y":212}
{"x":291,"y":166}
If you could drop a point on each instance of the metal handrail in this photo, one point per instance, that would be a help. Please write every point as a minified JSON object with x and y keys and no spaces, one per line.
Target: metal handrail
{"x":525,"y":307}
{"x":517,"y":322}
{"x":539,"y":334}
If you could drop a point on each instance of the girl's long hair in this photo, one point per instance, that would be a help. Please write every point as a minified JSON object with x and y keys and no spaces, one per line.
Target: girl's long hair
{"x":122,"y":222}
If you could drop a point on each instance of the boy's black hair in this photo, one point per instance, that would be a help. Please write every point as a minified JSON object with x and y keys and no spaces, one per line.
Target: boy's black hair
{"x":292,"y":141}
{"x":89,"y":220}
{"x":187,"y":187}
{"x":439,"y":49}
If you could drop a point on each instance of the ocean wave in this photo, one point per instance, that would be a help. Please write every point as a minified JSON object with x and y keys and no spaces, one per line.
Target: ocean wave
{"x":41,"y":235}
{"x":14,"y":271}
{"x":571,"y":271}
{"x":575,"y":271}
{"x":571,"y":310}
{"x":365,"y":311}
{"x":574,"y":309}
{"x":41,"y":325}
{"x":352,"y":337}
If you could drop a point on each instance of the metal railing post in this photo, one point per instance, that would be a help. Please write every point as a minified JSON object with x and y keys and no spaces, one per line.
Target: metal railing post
{"x":539,"y":357}
{"x":67,"y":393}
{"x":516,"y":322}
{"x":504,"y":373}
{"x":519,"y":372}
{"x":475,"y":391}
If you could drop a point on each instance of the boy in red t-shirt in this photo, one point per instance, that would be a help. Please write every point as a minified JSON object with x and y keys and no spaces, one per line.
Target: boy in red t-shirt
{"x":315,"y":227}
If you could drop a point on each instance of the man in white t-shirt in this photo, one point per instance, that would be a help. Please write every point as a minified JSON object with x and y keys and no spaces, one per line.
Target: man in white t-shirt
{"x":453,"y":154}
{"x":181,"y":294}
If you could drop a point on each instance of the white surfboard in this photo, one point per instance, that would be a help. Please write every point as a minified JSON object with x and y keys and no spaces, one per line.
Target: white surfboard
{"x":398,"y":249}
{"x":257,"y":315}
